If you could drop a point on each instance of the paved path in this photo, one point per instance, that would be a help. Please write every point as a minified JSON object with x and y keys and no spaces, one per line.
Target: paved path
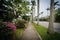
{"x":30,"y":34}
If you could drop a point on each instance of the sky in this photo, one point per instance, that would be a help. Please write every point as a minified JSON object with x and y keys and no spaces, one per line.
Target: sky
{"x":44,"y":4}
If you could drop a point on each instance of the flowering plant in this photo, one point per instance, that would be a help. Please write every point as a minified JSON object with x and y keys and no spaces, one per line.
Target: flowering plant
{"x":11,"y":25}
{"x":6,"y":30}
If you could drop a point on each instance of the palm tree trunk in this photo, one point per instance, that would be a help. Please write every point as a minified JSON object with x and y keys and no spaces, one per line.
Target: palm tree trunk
{"x":32,"y":13}
{"x":37,"y":11}
{"x":33,"y":5}
{"x":51,"y":21}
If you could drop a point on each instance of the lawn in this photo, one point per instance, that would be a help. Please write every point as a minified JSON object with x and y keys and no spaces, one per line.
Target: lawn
{"x":43,"y":33}
{"x":20,"y":29}
{"x":18,"y":34}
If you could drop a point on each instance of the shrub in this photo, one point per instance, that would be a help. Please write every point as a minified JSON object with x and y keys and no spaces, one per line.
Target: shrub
{"x":11,"y":25}
{"x":20,"y":24}
{"x":6,"y":32}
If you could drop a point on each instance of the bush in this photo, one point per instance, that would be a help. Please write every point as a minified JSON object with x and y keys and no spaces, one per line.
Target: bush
{"x":20,"y":24}
{"x":6,"y":33}
{"x":11,"y":25}
{"x":42,"y":19}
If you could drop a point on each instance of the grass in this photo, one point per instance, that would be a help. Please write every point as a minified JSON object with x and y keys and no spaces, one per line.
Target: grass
{"x":18,"y":33}
{"x":43,"y":33}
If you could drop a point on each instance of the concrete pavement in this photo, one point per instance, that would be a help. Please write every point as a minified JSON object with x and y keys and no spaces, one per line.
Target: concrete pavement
{"x":30,"y":34}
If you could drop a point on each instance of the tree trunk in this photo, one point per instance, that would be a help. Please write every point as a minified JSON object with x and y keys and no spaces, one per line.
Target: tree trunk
{"x":32,"y":13}
{"x":37,"y":11}
{"x":51,"y":21}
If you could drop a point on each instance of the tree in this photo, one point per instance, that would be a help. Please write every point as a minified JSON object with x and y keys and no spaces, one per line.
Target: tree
{"x":6,"y":11}
{"x":51,"y":21}
{"x":8,"y":7}
{"x":22,"y":8}
{"x":55,"y":4}
{"x":25,"y":17}
{"x":57,"y":15}
{"x":38,"y":11}
{"x":47,"y":11}
{"x":33,"y":5}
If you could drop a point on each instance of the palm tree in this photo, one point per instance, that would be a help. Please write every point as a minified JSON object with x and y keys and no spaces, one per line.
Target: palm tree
{"x":33,"y":6}
{"x":55,"y":4}
{"x":38,"y":11}
{"x":52,"y":8}
{"x":47,"y":11}
{"x":51,"y":21}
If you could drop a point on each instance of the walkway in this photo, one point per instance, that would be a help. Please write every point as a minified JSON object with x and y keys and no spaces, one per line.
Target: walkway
{"x":30,"y":34}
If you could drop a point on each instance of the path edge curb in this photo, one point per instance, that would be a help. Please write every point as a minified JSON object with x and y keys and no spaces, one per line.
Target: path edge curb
{"x":37,"y":33}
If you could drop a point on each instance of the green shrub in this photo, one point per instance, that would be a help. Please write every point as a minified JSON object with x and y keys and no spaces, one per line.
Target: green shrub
{"x":5,"y":32}
{"x":20,"y":24}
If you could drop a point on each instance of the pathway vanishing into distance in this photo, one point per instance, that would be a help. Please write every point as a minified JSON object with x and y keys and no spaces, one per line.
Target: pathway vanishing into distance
{"x":30,"y":33}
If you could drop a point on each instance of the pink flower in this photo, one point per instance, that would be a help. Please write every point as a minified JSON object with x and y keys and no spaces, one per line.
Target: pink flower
{"x":11,"y":25}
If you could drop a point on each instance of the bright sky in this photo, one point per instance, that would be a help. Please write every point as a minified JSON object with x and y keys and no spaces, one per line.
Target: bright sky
{"x":44,"y":4}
